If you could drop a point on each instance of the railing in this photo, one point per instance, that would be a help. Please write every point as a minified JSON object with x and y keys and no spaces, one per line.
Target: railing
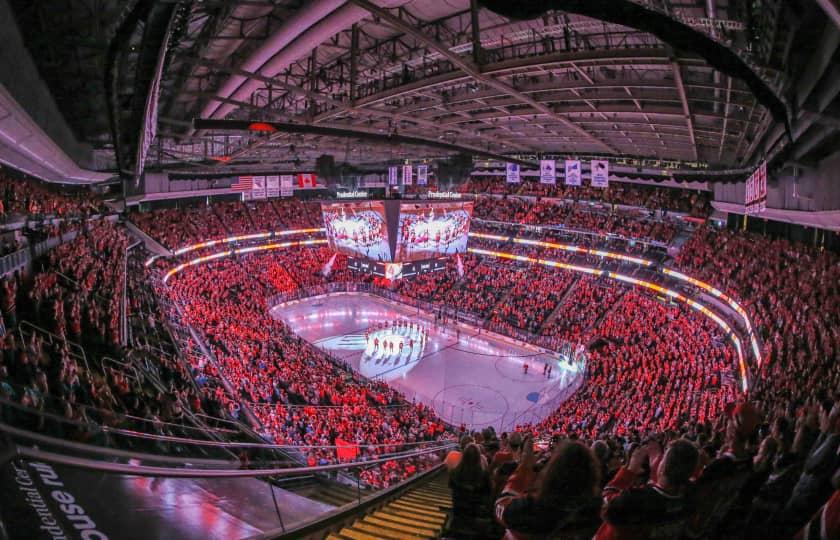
{"x":24,"y":256}
{"x":27,"y":329}
{"x":349,"y":477}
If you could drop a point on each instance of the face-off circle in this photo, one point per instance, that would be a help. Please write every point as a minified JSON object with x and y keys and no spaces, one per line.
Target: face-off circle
{"x":472,"y":404}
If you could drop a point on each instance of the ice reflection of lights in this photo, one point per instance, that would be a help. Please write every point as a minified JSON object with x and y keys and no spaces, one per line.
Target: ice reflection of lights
{"x":634,"y":281}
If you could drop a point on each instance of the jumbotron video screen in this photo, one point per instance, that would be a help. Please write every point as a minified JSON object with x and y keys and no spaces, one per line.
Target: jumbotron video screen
{"x":358,"y":229}
{"x":426,"y":231}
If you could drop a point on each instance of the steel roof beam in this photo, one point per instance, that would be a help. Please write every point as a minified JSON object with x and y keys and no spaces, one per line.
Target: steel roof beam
{"x":678,"y":81}
{"x":474,"y":72}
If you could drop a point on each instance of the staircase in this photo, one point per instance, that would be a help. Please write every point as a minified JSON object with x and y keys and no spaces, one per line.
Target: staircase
{"x":419,"y":513}
{"x":559,"y":307}
{"x":327,"y":492}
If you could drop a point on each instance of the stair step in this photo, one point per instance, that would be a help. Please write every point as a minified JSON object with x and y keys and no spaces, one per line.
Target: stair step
{"x":429,"y":500}
{"x":380,"y":533}
{"x":411,"y":507}
{"x":408,"y":521}
{"x":439,"y":492}
{"x":416,"y":530}
{"x":406,"y":514}
{"x":354,"y":534}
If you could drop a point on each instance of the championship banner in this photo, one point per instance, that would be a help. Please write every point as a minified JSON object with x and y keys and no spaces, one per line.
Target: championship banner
{"x":287,"y":185}
{"x":512,"y":173}
{"x":572,"y":172}
{"x":406,"y":174}
{"x":392,"y":176}
{"x":422,"y":175}
{"x":755,"y":198}
{"x":258,"y":191}
{"x":600,"y":173}
{"x":272,"y":186}
{"x":547,"y":173}
{"x":306,"y":180}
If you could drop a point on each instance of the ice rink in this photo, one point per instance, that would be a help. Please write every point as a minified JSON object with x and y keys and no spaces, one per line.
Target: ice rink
{"x":478,"y":380}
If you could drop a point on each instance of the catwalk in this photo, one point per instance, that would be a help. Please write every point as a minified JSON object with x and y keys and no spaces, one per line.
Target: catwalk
{"x":478,"y":380}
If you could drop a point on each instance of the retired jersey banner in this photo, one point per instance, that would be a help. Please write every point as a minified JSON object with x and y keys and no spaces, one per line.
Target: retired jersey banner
{"x":547,"y":173}
{"x":572,"y":172}
{"x":392,"y":176}
{"x":600,"y":173}
{"x":512,"y":173}
{"x":272,"y":186}
{"x":287,"y":188}
{"x":422,"y":175}
{"x":407,"y":175}
{"x":258,"y":191}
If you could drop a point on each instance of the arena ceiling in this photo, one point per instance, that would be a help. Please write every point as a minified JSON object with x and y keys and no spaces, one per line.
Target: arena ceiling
{"x":538,"y":79}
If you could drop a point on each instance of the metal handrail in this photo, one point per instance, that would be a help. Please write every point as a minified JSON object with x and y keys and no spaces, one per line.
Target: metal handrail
{"x":75,"y":349}
{"x":143,"y":456}
{"x":173,"y":472}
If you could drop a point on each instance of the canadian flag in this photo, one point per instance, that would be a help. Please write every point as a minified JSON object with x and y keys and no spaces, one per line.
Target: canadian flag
{"x":306,"y":180}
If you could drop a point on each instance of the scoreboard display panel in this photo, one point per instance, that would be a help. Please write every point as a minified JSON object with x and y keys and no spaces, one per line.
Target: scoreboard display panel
{"x":358,"y":229}
{"x":426,"y":231}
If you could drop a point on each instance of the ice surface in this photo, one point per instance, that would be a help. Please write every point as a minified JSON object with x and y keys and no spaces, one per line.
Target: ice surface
{"x":471,"y":378}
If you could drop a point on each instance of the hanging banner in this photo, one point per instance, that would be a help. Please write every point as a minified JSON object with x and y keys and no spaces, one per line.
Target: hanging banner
{"x":755,"y":199}
{"x":600,"y":173}
{"x":512,"y":173}
{"x":572,"y":172}
{"x":407,"y":179}
{"x":287,"y":188}
{"x":258,"y":191}
{"x":392,"y":175}
{"x":422,"y":175}
{"x":272,"y":186}
{"x":547,"y":173}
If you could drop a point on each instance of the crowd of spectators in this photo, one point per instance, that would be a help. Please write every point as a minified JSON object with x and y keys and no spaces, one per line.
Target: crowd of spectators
{"x":300,"y":395}
{"x":26,"y":197}
{"x":179,"y":227}
{"x":654,"y":444}
{"x":633,"y":224}
{"x":63,"y":366}
{"x":694,"y":203}
{"x":791,"y":293}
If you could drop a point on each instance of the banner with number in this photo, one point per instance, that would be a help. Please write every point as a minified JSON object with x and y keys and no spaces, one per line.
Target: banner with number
{"x":755,"y":199}
{"x":422,"y":175}
{"x":272,"y":186}
{"x":287,"y":188}
{"x":258,"y":191}
{"x":600,"y":173}
{"x":512,"y":173}
{"x":407,"y":175}
{"x":392,"y":175}
{"x":572,"y":172}
{"x":547,"y":173}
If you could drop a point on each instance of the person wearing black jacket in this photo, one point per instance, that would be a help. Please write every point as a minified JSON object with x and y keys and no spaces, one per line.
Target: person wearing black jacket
{"x":470,"y":485}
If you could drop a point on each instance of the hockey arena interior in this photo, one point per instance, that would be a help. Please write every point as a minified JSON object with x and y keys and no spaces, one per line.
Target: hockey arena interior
{"x":400,"y":269}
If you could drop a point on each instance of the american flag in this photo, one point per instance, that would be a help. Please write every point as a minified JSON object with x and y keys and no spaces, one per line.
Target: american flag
{"x":243,"y":184}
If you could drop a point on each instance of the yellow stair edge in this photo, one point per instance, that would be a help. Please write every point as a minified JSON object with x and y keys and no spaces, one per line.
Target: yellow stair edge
{"x":398,"y":527}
